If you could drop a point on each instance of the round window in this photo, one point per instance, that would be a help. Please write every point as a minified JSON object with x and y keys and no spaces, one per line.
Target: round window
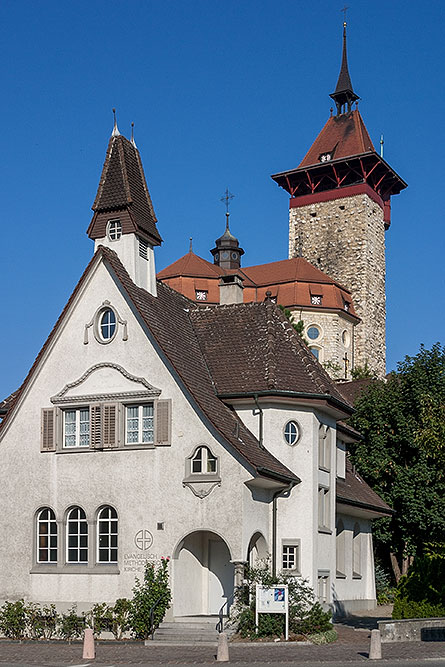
{"x":313,"y":332}
{"x":234,"y":255}
{"x":292,"y":433}
{"x":345,"y":338}
{"x":107,"y":324}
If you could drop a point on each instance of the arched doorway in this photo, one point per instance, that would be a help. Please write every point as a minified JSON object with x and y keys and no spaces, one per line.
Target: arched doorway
{"x":202,"y":575}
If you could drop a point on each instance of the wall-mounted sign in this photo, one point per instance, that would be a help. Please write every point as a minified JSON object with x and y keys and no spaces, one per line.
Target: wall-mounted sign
{"x":143,"y":539}
{"x":272,"y":600}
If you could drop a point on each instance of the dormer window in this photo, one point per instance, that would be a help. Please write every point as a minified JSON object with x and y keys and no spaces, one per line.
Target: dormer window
{"x":325,"y":157}
{"x":203,"y":461}
{"x":201,"y":295}
{"x":114,"y":229}
{"x":346,"y":306}
{"x":316,"y":300}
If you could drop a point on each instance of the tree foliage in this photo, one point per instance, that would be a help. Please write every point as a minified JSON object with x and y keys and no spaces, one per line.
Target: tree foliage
{"x":402,"y":455}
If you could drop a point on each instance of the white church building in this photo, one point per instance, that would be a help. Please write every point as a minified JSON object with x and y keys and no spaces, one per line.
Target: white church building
{"x":150,"y":426}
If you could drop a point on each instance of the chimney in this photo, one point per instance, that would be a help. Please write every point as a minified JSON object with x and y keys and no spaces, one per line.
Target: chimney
{"x":230,"y":289}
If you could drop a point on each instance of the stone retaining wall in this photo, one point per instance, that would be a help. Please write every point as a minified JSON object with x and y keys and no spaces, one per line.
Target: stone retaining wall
{"x":413,"y":630}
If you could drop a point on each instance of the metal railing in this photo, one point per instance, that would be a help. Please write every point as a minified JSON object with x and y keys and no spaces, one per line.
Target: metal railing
{"x":152,"y":614}
{"x":220,"y":625}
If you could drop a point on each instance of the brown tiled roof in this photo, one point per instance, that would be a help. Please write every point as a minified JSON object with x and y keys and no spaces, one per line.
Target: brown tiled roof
{"x":254,"y":348}
{"x":123,"y":186}
{"x":291,"y":281}
{"x":342,"y":136}
{"x":352,"y":390}
{"x":191,"y":265}
{"x":7,"y":403}
{"x":355,"y":491}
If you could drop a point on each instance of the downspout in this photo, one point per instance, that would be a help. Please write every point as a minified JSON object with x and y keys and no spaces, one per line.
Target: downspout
{"x":274,"y":525}
{"x":259,"y":412}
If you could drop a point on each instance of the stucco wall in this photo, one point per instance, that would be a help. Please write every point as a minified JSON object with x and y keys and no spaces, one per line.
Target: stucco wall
{"x":145,"y":486}
{"x":345,"y":238}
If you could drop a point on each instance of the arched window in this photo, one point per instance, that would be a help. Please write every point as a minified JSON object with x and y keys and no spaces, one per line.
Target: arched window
{"x":107,"y":535}
{"x":203,"y":461}
{"x":76,"y":536}
{"x":340,"y":549}
{"x":46,"y":536}
{"x":357,"y":552}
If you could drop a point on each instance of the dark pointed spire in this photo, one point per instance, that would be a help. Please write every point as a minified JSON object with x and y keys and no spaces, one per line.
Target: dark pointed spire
{"x":344,"y":95}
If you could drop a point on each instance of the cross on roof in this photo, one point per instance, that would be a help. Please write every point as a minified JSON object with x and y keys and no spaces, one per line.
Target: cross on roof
{"x":227,"y":197}
{"x":344,"y":10}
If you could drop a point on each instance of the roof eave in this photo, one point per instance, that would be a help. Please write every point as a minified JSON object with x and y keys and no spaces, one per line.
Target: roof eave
{"x":344,"y":407}
{"x":388,"y":511}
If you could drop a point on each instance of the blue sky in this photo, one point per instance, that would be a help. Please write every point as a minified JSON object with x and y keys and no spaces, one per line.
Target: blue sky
{"x":222,"y":94}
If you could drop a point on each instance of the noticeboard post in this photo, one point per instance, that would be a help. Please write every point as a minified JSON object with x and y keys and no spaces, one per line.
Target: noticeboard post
{"x":272,"y":600}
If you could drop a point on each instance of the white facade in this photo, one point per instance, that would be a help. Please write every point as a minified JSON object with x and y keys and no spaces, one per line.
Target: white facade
{"x":208,"y":526}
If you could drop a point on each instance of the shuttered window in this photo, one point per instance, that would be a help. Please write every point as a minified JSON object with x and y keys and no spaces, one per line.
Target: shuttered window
{"x":163,"y":422}
{"x":109,"y":424}
{"x":48,"y":440}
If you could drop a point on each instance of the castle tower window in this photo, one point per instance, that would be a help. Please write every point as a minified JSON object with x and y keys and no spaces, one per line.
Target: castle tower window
{"x":76,"y":536}
{"x":114,"y":229}
{"x":313,"y":332}
{"x":46,"y":536}
{"x":316,"y":300}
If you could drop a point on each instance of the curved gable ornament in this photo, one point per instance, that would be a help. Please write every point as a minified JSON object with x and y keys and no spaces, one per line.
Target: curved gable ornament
{"x":144,"y":391}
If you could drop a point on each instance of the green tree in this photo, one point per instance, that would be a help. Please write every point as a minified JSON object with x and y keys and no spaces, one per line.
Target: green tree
{"x":402,"y":455}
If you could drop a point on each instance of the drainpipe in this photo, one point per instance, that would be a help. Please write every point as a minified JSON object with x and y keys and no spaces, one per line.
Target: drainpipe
{"x":259,"y":412}
{"x":274,"y":525}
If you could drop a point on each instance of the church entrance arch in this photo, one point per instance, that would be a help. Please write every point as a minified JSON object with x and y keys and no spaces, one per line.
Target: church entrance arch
{"x":203,"y":575}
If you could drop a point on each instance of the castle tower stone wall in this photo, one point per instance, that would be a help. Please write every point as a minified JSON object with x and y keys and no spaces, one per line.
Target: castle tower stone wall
{"x":345,"y":238}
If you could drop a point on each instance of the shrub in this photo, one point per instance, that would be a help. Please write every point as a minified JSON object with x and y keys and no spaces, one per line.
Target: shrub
{"x":306,"y":616}
{"x":384,"y":591}
{"x":41,"y":622}
{"x":119,"y":615}
{"x":71,"y":625}
{"x":154,"y":589}
{"x":13,"y":619}
{"x":99,"y":618}
{"x":421,"y":593}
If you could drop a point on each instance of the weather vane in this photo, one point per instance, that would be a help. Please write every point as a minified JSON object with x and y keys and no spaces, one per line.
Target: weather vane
{"x":344,"y":10}
{"x":227,"y":198}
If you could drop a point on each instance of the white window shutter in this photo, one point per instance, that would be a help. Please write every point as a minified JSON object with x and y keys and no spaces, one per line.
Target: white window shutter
{"x":109,"y":425}
{"x":96,"y":425}
{"x":163,"y":422}
{"x":47,"y":440}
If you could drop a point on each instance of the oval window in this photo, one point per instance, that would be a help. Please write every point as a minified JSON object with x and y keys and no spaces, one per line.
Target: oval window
{"x":345,"y":338}
{"x":292,"y":433}
{"x":313,"y":332}
{"x":107,"y":324}
{"x":114,"y":229}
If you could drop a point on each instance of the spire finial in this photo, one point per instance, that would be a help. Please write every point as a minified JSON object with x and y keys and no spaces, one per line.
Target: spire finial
{"x":132,"y":135}
{"x":382,"y":141}
{"x":115,"y":132}
{"x":344,"y":94}
{"x":191,"y":245}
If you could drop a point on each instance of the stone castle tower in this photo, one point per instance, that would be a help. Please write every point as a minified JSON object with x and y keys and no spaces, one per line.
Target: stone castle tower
{"x":338,"y":213}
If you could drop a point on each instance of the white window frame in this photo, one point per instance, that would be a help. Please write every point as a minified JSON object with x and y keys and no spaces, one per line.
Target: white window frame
{"x":207,"y":456}
{"x":298,"y":435}
{"x":114,"y":229}
{"x":110,"y":325}
{"x":290,"y":546}
{"x":49,"y":522}
{"x":140,"y":421}
{"x":110,"y":534}
{"x":79,"y":535}
{"x":77,"y":423}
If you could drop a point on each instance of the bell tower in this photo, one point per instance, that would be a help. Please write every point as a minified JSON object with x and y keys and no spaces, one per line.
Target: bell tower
{"x":339,"y":209}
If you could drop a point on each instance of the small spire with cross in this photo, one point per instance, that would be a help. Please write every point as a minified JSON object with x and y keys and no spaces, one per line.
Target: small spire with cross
{"x":228,"y":196}
{"x":132,"y":135}
{"x":344,"y":10}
